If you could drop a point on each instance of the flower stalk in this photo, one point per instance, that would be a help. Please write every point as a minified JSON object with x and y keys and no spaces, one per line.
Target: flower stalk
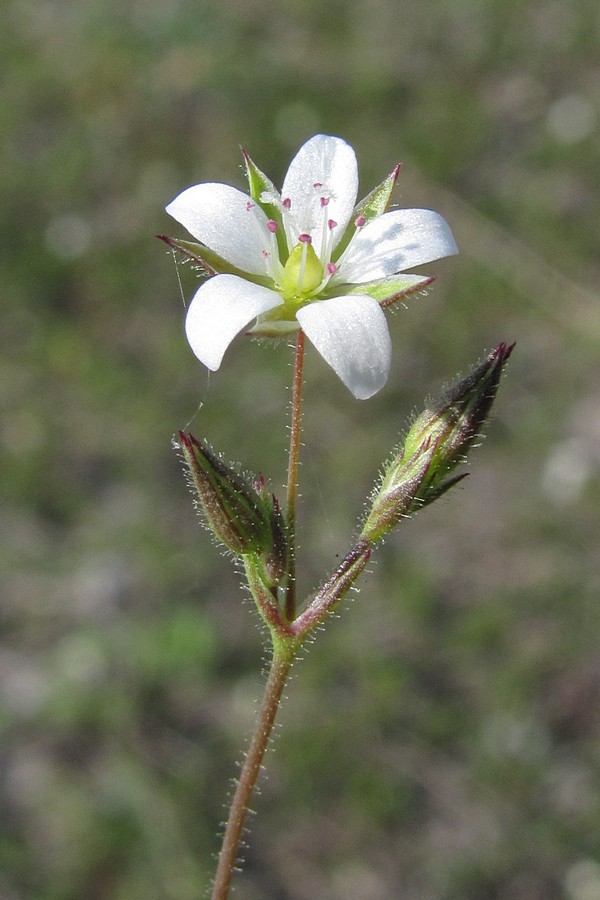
{"x":292,"y":475}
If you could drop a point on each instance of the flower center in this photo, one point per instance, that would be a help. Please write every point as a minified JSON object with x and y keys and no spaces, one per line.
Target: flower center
{"x":302,"y":273}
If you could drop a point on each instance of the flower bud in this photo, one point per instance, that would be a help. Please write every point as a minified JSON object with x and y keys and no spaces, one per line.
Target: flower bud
{"x":436,"y":443}
{"x":455,"y":420}
{"x":246,"y":520}
{"x":396,"y":495}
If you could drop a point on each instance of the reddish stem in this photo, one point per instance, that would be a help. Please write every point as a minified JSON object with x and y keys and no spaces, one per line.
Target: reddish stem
{"x":283,"y":656}
{"x":292,"y":476}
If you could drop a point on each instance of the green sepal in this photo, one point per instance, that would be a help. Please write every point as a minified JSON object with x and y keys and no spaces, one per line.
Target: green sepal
{"x":386,"y":291}
{"x":281,"y":328}
{"x":233,"y":510}
{"x":266,"y":596}
{"x":274,"y":559}
{"x":395,"y":496}
{"x":371,"y":206}
{"x":434,"y":493}
{"x":259,"y":185}
{"x":263,"y":594}
{"x":210,"y":263}
{"x":377,"y":201}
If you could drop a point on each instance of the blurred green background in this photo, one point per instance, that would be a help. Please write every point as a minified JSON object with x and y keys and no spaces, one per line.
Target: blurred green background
{"x":441,"y":738}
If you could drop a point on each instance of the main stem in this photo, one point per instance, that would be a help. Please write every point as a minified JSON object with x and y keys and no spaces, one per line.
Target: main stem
{"x":292,"y":476}
{"x":283,"y":656}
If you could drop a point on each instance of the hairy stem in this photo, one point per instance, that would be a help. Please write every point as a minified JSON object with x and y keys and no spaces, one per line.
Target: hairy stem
{"x":283,"y":656}
{"x":292,"y":476}
{"x":333,"y":591}
{"x":284,"y":650}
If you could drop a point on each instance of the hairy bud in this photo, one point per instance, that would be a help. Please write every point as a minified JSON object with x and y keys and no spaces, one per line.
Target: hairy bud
{"x":243,"y":516}
{"x":435,"y":444}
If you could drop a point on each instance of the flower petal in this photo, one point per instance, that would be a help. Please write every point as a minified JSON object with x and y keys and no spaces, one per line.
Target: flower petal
{"x":351,"y":334}
{"x":220,"y":309}
{"x":226,"y":221}
{"x":324,"y":166}
{"x":396,"y":241}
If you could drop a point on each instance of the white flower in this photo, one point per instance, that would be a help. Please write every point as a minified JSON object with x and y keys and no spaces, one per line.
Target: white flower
{"x":308,"y":258}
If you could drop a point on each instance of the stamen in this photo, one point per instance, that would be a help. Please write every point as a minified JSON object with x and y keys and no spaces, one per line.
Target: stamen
{"x":268,"y":242}
{"x":274,"y":267}
{"x":305,"y":238}
{"x":327,"y":240}
{"x":331,"y":268}
{"x":287,"y":203}
{"x":360,"y":221}
{"x":325,"y":201}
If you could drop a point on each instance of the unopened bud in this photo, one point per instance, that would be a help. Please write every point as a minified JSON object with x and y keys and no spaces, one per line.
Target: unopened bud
{"x":245,"y":519}
{"x":436,"y":443}
{"x":455,"y":420}
{"x":396,"y":494}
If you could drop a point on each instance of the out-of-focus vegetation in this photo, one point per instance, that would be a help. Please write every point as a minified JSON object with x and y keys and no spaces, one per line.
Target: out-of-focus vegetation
{"x":441,"y":738}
